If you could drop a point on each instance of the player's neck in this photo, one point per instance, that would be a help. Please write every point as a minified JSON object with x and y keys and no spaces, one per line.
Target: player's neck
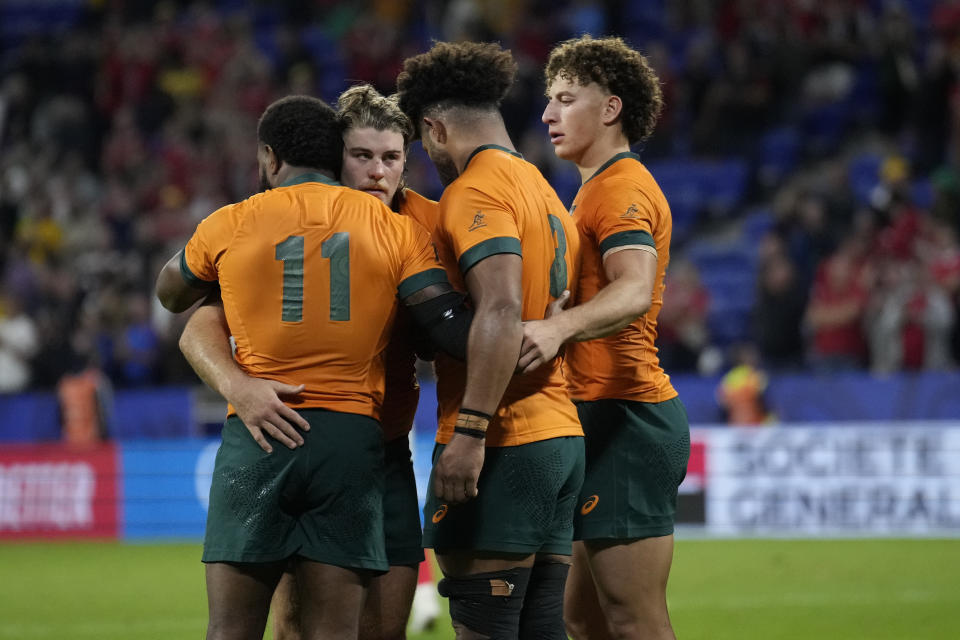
{"x":289,"y":172}
{"x":483,"y":136}
{"x":594,"y":156}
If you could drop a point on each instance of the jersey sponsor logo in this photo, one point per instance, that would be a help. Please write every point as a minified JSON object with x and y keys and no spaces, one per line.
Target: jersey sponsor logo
{"x":631,"y":212}
{"x":439,"y":514}
{"x":477,"y":222}
{"x":590,"y":504}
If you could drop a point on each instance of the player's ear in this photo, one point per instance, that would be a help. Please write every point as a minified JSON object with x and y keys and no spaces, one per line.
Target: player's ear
{"x":436,"y":130}
{"x":273,"y":160}
{"x":612,"y":108}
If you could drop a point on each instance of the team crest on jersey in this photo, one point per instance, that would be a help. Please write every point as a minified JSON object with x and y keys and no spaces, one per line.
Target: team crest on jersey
{"x":631,"y":212}
{"x":477,"y":222}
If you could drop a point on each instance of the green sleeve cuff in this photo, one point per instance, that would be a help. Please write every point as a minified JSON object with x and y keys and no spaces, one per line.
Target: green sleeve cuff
{"x":487,"y":248}
{"x":188,"y":276}
{"x":421,"y":280}
{"x":626,"y":239}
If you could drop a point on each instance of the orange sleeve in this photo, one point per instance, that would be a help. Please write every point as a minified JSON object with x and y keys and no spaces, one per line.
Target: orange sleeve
{"x":201,"y":256}
{"x":625,"y":218}
{"x":420,"y":266}
{"x":478,"y":227}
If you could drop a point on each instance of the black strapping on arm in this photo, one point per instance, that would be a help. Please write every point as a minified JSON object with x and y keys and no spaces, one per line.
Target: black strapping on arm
{"x":446,"y":319}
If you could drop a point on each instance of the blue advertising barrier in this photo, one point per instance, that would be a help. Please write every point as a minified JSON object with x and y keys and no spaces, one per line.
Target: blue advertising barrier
{"x":154,"y":412}
{"x":29,"y":417}
{"x":166,"y":485}
{"x":167,"y":412}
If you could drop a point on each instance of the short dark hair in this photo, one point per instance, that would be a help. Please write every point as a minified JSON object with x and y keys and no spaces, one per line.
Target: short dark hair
{"x":469,"y":74}
{"x":617,"y":68}
{"x":304,"y":132}
{"x":363,"y":106}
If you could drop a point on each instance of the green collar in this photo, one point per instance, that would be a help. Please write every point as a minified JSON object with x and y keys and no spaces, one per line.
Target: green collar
{"x":310,"y":177}
{"x":484,"y":147}
{"x":605,"y":165}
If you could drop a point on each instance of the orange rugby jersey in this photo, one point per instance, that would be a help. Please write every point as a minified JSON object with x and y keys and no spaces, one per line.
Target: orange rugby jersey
{"x":501,"y":204}
{"x":620,"y":206}
{"x":402,"y":392}
{"x":310,"y":273}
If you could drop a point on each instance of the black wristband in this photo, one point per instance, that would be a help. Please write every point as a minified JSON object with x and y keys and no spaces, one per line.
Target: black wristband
{"x":479,"y":434}
{"x":479,"y":414}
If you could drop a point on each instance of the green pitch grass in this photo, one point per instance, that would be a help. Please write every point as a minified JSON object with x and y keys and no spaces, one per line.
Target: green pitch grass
{"x":743,"y":589}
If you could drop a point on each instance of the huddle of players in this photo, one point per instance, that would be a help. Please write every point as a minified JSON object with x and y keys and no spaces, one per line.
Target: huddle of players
{"x":310,"y":273}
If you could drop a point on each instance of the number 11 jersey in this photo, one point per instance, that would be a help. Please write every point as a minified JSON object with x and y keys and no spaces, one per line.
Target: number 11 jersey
{"x":310,"y":273}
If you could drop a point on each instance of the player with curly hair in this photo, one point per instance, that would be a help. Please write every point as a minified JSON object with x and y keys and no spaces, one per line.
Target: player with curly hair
{"x":509,"y":457}
{"x":603,"y":97}
{"x":285,"y":261}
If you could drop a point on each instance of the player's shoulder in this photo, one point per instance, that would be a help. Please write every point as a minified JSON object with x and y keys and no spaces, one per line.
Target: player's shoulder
{"x":626,"y":177}
{"x":420,"y":208}
{"x":623,"y":170}
{"x":413,"y":199}
{"x":228,"y":213}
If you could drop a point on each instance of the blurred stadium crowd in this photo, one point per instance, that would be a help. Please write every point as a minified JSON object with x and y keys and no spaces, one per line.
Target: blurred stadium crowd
{"x":808,"y":149}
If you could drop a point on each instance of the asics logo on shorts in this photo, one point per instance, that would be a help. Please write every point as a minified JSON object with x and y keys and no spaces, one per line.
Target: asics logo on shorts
{"x":439,"y":514}
{"x":588,"y":506}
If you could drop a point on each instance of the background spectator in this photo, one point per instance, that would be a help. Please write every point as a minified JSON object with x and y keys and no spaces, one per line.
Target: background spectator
{"x":820,"y":124}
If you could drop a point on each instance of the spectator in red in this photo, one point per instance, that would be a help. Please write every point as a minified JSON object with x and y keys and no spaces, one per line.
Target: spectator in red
{"x":911,"y":320}
{"x":835,"y":315}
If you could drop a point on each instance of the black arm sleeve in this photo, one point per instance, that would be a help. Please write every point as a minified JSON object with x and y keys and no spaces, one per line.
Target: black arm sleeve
{"x":446,"y":319}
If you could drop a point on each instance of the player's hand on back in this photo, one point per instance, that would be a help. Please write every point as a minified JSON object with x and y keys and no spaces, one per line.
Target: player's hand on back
{"x":259,"y":405}
{"x":541,"y":340}
{"x":458,"y":468}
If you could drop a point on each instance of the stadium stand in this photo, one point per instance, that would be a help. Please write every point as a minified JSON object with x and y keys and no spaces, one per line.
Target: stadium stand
{"x":787,"y":133}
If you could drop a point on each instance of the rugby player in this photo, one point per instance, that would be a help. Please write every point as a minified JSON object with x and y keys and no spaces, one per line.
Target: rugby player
{"x":287,"y":261}
{"x":603,"y":97}
{"x":376,"y":137}
{"x":509,"y":457}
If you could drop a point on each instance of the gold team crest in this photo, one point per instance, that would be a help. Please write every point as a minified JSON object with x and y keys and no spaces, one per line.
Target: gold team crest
{"x":631,"y":212}
{"x":477,"y":222}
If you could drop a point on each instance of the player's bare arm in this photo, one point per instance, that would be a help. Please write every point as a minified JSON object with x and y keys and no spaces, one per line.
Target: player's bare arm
{"x":628,"y":296}
{"x":175,"y":292}
{"x":495,"y":337}
{"x":205,"y":344}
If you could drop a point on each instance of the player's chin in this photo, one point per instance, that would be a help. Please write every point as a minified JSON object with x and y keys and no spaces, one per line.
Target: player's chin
{"x":562,"y":151}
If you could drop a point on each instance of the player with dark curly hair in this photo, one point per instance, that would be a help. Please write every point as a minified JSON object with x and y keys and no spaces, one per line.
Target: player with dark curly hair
{"x":603,"y":97}
{"x":308,"y":375}
{"x":509,"y":457}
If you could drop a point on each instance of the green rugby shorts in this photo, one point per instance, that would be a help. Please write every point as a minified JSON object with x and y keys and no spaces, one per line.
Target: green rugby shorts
{"x":322,"y":501}
{"x":636,"y":458}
